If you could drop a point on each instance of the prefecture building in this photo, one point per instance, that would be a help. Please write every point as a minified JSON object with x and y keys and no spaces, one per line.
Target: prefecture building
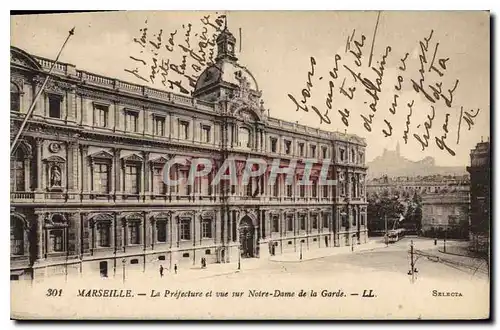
{"x":87,"y":192}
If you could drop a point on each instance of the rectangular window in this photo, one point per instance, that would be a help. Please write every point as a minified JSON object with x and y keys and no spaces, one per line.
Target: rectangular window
{"x":206,"y":133}
{"x":354,"y":219}
{"x":17,"y":175}
{"x":159,"y":126}
{"x":274,"y":143}
{"x":301,"y":149}
{"x":289,"y":189}
{"x":314,"y":188}
{"x":325,"y":191}
{"x":184,"y":130}
{"x":17,"y":238}
{"x":134,"y":228}
{"x":313,"y":151}
{"x":323,"y":152}
{"x":104,"y":234}
{"x":56,"y":238}
{"x":288,"y":147}
{"x":314,"y":221}
{"x":302,"y":222}
{"x":184,"y":187}
{"x":131,"y":119}
{"x":55,"y":106}
{"x":132,"y":179}
{"x":345,"y":222}
{"x":185,"y":229}
{"x":325,"y":221}
{"x":249,"y":188}
{"x":362,"y":219}
{"x":302,"y":190}
{"x":161,"y":231}
{"x":289,"y":221}
{"x":158,"y":184}
{"x":100,"y":115}
{"x":206,"y":228}
{"x":276,"y":188}
{"x":276,"y":224}
{"x":101,"y":181}
{"x":342,"y":155}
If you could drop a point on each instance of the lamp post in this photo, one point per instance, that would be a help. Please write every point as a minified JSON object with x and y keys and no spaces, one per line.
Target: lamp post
{"x":413,"y":261}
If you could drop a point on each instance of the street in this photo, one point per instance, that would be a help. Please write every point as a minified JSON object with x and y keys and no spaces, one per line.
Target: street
{"x":339,"y":281}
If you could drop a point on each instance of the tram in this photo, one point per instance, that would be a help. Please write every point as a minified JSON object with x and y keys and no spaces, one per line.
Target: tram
{"x":395,"y":235}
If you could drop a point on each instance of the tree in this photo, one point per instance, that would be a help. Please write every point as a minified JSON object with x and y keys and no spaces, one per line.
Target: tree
{"x":380,"y":208}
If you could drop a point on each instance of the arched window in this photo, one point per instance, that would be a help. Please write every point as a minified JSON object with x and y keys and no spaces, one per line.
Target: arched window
{"x":56,"y":234}
{"x":244,"y":137}
{"x":15,"y":97}
{"x":16,"y":236}
{"x":17,"y":171}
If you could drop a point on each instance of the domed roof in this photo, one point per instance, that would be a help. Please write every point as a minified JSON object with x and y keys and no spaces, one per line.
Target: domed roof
{"x":226,"y":72}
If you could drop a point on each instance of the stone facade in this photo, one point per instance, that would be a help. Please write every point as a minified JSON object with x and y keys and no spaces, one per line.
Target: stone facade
{"x":446,"y":214}
{"x":480,"y":188}
{"x":87,"y":194}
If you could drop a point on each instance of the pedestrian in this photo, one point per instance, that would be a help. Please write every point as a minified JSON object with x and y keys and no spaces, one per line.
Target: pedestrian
{"x":161,"y":270}
{"x":175,"y":268}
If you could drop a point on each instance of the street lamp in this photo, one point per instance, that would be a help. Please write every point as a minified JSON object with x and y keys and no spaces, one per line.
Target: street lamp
{"x":123,"y":263}
{"x":413,"y":261}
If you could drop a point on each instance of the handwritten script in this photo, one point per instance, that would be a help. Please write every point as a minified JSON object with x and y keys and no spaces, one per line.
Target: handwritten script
{"x":176,"y":58}
{"x":355,"y":76}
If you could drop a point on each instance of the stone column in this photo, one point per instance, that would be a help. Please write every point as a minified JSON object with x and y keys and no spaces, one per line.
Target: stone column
{"x":216,"y":225}
{"x":146,"y":176}
{"x":230,"y":226}
{"x":146,"y":240}
{"x":268,"y":223}
{"x":85,"y":169}
{"x":236,"y":224}
{"x":39,"y":165}
{"x":195,"y":226}
{"x":124,"y":235}
{"x":91,"y":236}
{"x":39,"y":232}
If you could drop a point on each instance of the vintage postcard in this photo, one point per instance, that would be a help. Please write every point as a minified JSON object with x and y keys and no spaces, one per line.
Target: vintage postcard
{"x":250,"y":165}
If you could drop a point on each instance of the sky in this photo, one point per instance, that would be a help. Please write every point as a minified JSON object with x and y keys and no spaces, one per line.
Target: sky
{"x":281,"y":48}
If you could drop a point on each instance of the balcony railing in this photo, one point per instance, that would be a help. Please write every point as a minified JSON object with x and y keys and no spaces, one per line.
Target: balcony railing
{"x":154,"y":197}
{"x":22,"y":195}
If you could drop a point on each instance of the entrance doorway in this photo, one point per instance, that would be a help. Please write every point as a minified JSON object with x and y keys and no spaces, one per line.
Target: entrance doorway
{"x":247,"y":237}
{"x":103,"y":268}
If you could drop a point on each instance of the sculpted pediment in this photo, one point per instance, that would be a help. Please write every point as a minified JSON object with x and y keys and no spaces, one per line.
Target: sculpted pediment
{"x":20,"y":57}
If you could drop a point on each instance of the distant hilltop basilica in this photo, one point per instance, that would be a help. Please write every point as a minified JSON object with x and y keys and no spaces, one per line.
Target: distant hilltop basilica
{"x":392,"y":164}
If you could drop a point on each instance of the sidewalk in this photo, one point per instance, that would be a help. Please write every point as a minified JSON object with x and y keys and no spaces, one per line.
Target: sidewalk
{"x":319,"y":253}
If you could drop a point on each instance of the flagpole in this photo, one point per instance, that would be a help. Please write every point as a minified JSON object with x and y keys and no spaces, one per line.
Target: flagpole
{"x":32,"y":107}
